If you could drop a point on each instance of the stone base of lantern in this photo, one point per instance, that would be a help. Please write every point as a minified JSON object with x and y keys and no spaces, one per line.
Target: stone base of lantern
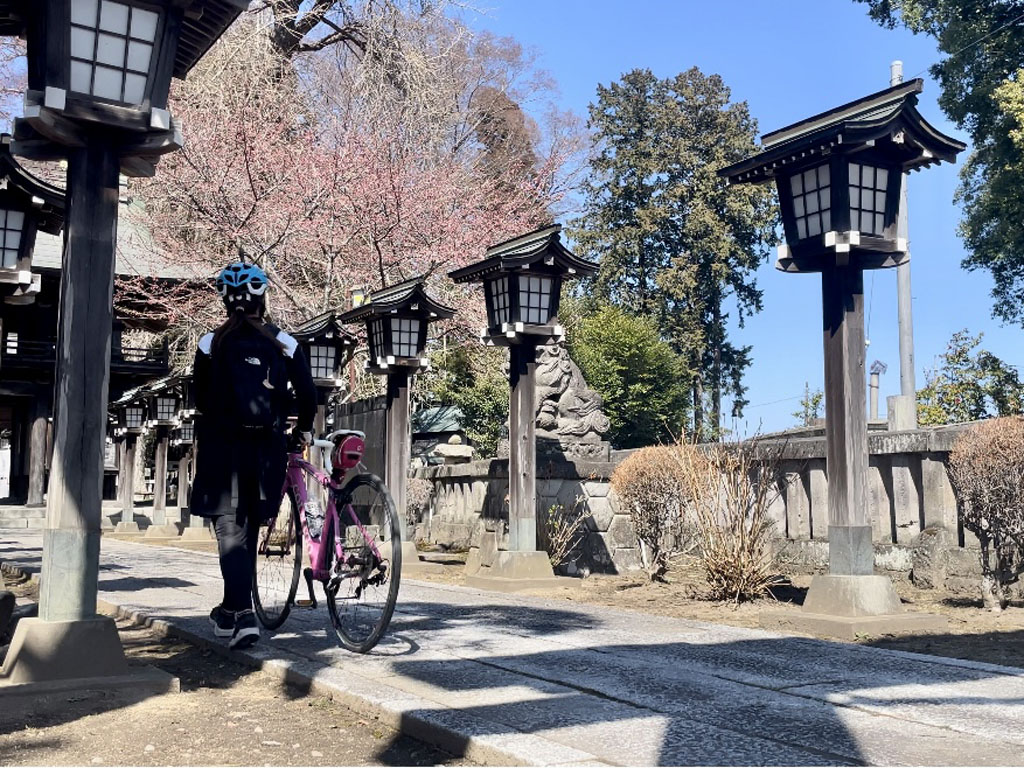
{"x":412,"y":566}
{"x":197,"y":533}
{"x":128,"y":526}
{"x":512,"y":571}
{"x":58,"y":656}
{"x":166,"y":531}
{"x":848,"y":607}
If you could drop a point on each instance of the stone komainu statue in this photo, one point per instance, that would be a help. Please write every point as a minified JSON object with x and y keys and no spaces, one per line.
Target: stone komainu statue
{"x":568,"y":411}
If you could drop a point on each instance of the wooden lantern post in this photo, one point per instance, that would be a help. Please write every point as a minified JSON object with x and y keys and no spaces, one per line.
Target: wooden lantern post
{"x":839,"y":177}
{"x":522,"y":281}
{"x":163,"y":401}
{"x":397,"y":319}
{"x":98,"y":79}
{"x":130,"y":414}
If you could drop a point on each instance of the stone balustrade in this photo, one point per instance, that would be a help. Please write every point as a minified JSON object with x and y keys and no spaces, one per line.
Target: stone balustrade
{"x":908,"y":491}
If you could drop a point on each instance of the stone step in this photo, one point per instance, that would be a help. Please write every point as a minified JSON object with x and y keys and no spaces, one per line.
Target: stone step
{"x":18,"y":523}
{"x":18,"y":513}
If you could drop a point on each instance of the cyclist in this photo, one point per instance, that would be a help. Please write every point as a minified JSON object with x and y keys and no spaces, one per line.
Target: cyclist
{"x":241,"y":375}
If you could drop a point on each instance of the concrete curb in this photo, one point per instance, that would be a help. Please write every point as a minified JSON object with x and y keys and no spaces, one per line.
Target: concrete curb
{"x":462,"y":734}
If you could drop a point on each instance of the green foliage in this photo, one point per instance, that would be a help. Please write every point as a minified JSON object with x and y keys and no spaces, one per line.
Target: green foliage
{"x":644,"y":383}
{"x":981,"y":81}
{"x":810,"y":406}
{"x":969,"y":384}
{"x":474,"y":379}
{"x":674,"y":241}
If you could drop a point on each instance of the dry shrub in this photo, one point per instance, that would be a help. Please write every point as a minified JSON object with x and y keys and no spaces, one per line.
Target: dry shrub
{"x":418,"y":493}
{"x":652,"y":488}
{"x":562,"y":532}
{"x":732,"y":488}
{"x":986,"y":467}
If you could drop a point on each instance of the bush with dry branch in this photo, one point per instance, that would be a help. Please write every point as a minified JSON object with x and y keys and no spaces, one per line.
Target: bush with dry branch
{"x":651,"y":487}
{"x":418,"y":493}
{"x":986,"y":467}
{"x":732,"y":488}
{"x":562,"y":532}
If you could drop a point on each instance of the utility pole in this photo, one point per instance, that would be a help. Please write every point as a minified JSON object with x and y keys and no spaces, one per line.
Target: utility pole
{"x":906,"y":416}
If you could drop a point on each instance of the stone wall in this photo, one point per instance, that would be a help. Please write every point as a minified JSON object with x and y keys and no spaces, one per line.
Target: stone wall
{"x":471,"y":498}
{"x":908,"y":492}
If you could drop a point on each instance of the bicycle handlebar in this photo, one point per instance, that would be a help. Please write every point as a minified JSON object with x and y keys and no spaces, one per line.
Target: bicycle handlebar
{"x":323,"y":444}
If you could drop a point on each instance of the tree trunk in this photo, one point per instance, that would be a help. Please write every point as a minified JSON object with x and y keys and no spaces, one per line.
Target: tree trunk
{"x":698,"y":407}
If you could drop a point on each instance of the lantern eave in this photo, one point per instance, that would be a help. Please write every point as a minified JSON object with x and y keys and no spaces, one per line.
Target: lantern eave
{"x":399,"y":298}
{"x":542,"y":246}
{"x":47,"y":200}
{"x":890,"y":114}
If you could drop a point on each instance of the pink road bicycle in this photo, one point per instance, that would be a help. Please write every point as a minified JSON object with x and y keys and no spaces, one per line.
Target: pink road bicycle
{"x":354,"y":545}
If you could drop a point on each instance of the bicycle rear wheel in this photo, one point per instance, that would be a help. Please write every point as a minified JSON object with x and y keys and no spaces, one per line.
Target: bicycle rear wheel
{"x":362,"y":592}
{"x":278,"y":563}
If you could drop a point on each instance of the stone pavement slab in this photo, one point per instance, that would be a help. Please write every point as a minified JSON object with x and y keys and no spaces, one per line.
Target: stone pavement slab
{"x":527,"y":681}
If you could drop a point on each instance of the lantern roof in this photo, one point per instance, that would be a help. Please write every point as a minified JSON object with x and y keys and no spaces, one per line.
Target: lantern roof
{"x":408,"y":296}
{"x":47,"y":199}
{"x":324,"y":325}
{"x":890,"y":115}
{"x":540,"y":246}
{"x":131,"y":396}
{"x":204,"y":22}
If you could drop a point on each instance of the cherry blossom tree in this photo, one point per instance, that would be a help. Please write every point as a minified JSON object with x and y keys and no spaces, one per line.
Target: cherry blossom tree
{"x":356,"y":165}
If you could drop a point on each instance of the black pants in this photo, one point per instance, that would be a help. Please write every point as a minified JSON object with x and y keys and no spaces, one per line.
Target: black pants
{"x":237,"y":539}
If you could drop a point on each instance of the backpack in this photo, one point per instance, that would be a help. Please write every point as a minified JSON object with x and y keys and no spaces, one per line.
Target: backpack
{"x":250,"y":377}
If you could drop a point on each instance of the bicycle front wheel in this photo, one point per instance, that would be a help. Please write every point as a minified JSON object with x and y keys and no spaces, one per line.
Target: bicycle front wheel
{"x":278,"y":562}
{"x":363,"y":589}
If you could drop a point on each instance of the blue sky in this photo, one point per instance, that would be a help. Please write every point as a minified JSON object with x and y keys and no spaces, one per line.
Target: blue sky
{"x":788,"y":59}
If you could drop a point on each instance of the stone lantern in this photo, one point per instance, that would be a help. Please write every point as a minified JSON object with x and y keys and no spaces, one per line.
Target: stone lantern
{"x":396,"y":320}
{"x":522,"y":280}
{"x":838,"y":176}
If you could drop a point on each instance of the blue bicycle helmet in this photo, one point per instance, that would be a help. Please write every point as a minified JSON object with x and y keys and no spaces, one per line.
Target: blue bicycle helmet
{"x":242,"y":286}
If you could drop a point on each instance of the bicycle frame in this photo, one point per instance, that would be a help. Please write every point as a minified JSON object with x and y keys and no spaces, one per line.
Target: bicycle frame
{"x":295,"y":479}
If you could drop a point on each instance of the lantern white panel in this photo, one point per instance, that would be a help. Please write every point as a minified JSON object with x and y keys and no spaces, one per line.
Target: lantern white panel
{"x":11,"y":223}
{"x":81,"y":77}
{"x":133,"y":417}
{"x":405,"y":337}
{"x":114,"y":17}
{"x":138,"y":56}
{"x":868,"y":187}
{"x":321,"y":360}
{"x":535,"y":299}
{"x":134,"y":88}
{"x":812,"y":201}
{"x":83,"y":43}
{"x":498,"y":289}
{"x":84,"y":12}
{"x":144,"y":24}
{"x":377,"y":338}
{"x":107,"y":83}
{"x":112,"y":49}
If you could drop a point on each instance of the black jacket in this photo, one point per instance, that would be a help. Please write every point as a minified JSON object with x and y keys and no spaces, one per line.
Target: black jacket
{"x":238,"y":467}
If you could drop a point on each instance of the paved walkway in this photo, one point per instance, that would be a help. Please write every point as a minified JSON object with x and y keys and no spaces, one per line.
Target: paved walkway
{"x":516,"y":680}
